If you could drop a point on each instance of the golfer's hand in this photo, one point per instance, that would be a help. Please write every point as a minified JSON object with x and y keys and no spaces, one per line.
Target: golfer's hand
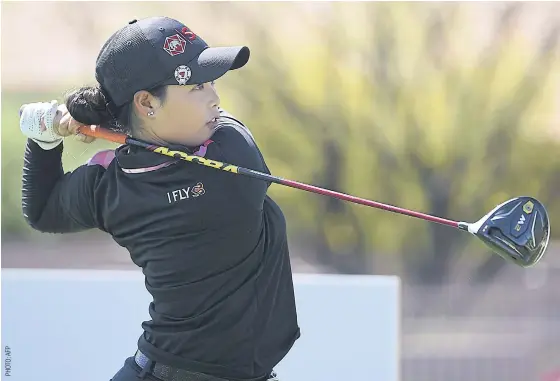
{"x":64,"y":125}
{"x":47,"y":123}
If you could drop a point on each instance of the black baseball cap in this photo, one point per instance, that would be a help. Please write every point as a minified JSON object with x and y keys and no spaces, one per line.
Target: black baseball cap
{"x":158,"y":51}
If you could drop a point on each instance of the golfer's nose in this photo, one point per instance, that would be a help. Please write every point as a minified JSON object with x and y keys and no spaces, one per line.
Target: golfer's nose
{"x":215,"y":100}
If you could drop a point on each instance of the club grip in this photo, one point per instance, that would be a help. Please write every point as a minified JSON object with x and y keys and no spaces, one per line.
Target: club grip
{"x":103,"y":133}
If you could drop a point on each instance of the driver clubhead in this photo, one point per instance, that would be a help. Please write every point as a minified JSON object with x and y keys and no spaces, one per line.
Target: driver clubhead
{"x":517,"y":230}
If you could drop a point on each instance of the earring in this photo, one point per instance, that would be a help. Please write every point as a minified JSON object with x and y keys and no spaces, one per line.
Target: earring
{"x":150,"y":113}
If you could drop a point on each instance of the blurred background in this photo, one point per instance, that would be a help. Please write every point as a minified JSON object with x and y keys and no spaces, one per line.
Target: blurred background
{"x":446,"y":108}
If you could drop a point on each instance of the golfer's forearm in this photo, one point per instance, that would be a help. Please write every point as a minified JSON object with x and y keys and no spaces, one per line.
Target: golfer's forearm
{"x":42,"y":169}
{"x":54,"y":201}
{"x":43,"y":175}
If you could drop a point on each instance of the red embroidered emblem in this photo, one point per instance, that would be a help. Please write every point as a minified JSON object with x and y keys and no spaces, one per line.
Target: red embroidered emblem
{"x":174,"y":45}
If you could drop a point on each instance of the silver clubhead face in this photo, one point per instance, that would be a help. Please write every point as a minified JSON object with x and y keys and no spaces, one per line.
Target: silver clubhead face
{"x":517,"y":230}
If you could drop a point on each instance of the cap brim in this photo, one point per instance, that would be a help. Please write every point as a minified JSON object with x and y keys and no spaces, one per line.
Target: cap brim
{"x":213,"y":63}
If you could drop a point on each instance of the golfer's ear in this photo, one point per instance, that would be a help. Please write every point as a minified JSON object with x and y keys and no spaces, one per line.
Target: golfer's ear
{"x":145,"y":102}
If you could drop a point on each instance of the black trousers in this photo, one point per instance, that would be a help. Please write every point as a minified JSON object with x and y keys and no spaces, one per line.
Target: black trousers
{"x":132,"y":372}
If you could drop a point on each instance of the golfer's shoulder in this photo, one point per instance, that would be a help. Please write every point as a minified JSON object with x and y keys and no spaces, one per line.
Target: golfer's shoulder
{"x":236,"y":144}
{"x":95,"y":167}
{"x":233,"y":130}
{"x":101,"y":159}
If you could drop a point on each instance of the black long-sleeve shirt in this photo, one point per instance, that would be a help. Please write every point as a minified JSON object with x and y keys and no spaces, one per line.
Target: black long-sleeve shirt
{"x":212,"y":246}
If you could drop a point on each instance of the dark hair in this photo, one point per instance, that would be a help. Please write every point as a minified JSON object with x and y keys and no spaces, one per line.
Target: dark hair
{"x":88,"y":105}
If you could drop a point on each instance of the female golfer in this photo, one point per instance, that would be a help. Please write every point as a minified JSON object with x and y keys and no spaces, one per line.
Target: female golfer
{"x":212,"y":244}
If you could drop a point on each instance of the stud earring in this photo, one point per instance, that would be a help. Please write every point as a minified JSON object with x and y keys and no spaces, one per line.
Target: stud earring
{"x":150,"y":113}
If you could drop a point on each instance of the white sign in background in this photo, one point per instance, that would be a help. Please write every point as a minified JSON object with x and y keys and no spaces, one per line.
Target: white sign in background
{"x":69,"y":325}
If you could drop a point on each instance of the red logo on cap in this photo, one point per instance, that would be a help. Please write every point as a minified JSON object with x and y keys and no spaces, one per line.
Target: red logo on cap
{"x":174,"y":45}
{"x":188,"y":33}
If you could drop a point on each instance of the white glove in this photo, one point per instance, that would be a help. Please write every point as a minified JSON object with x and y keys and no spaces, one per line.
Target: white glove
{"x":36,"y":122}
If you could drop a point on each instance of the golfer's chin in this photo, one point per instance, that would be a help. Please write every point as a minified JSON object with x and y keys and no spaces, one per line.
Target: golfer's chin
{"x":202,"y":136}
{"x":207,"y":132}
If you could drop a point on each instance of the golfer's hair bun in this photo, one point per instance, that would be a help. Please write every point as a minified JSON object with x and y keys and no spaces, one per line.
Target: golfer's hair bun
{"x":87,"y":105}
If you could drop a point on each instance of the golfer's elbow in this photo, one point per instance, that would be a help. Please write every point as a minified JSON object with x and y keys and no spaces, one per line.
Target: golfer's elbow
{"x":36,"y":224}
{"x":36,"y":220}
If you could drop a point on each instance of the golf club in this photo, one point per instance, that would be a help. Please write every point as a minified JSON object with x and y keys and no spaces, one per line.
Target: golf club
{"x":518,"y":230}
